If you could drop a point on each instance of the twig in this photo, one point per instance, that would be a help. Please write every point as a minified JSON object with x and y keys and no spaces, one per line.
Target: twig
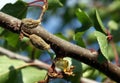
{"x":36,"y":62}
{"x":23,"y":58}
{"x":85,"y":80}
{"x":115,"y":52}
{"x":64,"y":48}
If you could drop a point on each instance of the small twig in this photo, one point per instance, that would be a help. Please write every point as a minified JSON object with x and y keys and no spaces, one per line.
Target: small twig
{"x":34,"y":63}
{"x":115,"y":52}
{"x":37,"y":63}
{"x":110,"y":40}
{"x":43,"y":7}
{"x":85,"y":80}
{"x":35,"y":1}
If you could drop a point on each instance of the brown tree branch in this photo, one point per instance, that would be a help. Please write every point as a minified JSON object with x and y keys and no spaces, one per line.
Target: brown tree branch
{"x":64,"y":48}
{"x":37,"y":63}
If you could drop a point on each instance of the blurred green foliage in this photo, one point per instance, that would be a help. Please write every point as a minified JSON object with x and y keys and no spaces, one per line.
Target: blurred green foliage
{"x":13,"y":71}
{"x":78,"y":17}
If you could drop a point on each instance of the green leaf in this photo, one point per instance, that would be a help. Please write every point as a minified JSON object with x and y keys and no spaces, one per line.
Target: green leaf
{"x":18,"y":9}
{"x":54,"y":4}
{"x":113,"y":25}
{"x":84,"y":19}
{"x":102,"y":41}
{"x":78,"y":38}
{"x":61,"y":36}
{"x":12,"y":71}
{"x":101,"y":58}
{"x":98,"y":23}
{"x":1,"y":30}
{"x":77,"y":71}
{"x":63,"y":2}
{"x":12,"y":39}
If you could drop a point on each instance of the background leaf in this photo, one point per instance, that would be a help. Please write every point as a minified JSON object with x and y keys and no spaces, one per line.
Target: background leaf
{"x":79,"y":39}
{"x":98,"y":23}
{"x":11,"y":38}
{"x":53,"y":4}
{"x":12,"y":71}
{"x":18,"y":9}
{"x":84,"y":19}
{"x":61,"y":36}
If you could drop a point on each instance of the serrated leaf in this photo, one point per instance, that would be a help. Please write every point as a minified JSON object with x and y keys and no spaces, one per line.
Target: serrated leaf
{"x":84,"y":19}
{"x":102,"y":41}
{"x":18,"y":9}
{"x":98,"y":23}
{"x":12,"y":71}
{"x":78,"y":38}
{"x":77,"y":71}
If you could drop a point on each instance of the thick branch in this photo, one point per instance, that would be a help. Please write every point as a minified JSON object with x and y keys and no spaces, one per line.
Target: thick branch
{"x":64,"y":48}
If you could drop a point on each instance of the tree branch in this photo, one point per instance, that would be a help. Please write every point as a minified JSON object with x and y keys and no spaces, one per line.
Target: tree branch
{"x":36,"y":62}
{"x":12,"y":55}
{"x":64,"y":48}
{"x":84,"y":80}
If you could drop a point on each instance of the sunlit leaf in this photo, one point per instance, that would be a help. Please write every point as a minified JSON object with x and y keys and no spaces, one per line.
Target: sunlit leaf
{"x":12,"y":71}
{"x":18,"y":9}
{"x":102,"y":41}
{"x":84,"y":19}
{"x":113,"y":25}
{"x":98,"y":23}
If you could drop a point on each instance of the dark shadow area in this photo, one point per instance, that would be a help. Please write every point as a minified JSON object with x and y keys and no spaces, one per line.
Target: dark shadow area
{"x":15,"y":76}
